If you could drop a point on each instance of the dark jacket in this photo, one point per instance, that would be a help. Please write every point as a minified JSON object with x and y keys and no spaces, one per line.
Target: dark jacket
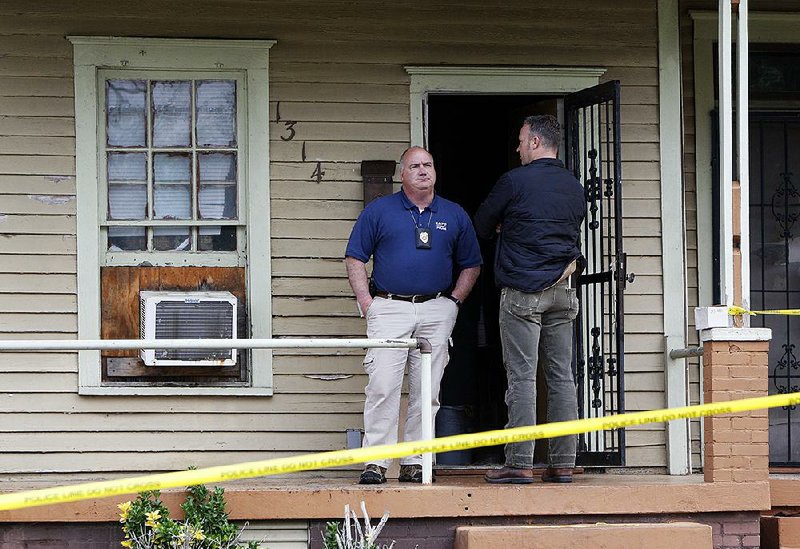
{"x":541,"y":207}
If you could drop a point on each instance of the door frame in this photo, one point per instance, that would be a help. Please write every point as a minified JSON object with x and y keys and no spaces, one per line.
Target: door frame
{"x":489,"y":80}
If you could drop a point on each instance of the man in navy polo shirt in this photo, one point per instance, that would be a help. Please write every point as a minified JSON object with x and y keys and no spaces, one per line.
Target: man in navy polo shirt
{"x":419,"y":243}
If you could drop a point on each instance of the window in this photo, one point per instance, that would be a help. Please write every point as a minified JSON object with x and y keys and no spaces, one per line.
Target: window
{"x":172,"y":174}
{"x":171,"y":155}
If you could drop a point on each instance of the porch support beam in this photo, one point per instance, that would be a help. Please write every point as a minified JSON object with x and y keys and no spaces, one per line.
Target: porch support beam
{"x":734,"y":194}
{"x":743,"y":146}
{"x":724,"y":76}
{"x":673,"y":231}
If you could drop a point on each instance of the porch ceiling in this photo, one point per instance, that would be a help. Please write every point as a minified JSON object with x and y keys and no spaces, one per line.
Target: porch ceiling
{"x":319,"y":497}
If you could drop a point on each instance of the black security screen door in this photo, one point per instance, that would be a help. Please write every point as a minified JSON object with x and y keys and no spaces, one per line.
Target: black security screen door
{"x":593,"y":155}
{"x":775,"y":264}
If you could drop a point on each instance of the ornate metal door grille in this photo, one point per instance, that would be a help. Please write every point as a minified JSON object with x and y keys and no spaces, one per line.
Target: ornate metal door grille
{"x":593,"y":154}
{"x":775,"y":264}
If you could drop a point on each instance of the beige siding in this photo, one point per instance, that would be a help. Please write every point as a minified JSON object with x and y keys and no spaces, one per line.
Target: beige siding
{"x":690,"y":198}
{"x":276,"y":534}
{"x":337,"y":71}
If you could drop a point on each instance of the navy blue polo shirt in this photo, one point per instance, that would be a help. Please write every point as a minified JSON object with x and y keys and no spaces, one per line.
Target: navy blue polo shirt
{"x":385,"y":230}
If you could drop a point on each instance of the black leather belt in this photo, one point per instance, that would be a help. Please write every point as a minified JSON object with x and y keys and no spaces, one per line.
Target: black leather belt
{"x":418,"y":298}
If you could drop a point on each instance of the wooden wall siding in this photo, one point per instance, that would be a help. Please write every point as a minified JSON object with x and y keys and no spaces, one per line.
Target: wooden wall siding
{"x":337,"y":72}
{"x":276,"y":534}
{"x":690,"y":200}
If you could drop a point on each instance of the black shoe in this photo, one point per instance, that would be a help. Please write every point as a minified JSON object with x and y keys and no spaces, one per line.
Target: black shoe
{"x":373,"y":474}
{"x":410,"y":473}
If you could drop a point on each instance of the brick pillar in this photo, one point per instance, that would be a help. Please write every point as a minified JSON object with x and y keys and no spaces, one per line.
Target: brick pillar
{"x":735,"y":365}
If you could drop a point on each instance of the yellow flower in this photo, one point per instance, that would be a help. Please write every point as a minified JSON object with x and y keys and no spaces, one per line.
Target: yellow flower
{"x":152,"y":518}
{"x":127,"y":543}
{"x":199,"y":535}
{"x":124,"y":509}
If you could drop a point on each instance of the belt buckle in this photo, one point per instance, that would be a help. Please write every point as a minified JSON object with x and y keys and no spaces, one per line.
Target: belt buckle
{"x":414,"y":298}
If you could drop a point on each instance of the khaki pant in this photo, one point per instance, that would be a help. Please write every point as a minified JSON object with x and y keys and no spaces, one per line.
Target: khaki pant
{"x":390,"y":318}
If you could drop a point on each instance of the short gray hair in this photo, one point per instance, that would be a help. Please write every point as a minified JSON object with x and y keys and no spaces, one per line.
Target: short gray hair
{"x":408,"y":150}
{"x":546,"y":128}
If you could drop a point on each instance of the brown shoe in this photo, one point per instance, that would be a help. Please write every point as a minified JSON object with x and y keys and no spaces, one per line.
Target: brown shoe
{"x":552,"y":474}
{"x":509,"y":475}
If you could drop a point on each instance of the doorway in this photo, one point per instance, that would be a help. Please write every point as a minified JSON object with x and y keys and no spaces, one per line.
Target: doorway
{"x":473,"y":140}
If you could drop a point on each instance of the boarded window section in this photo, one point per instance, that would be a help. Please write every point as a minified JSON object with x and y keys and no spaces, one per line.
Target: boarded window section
{"x":172,"y":155}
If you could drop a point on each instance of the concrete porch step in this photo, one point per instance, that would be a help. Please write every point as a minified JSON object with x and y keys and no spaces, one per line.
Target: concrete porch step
{"x":599,"y":536}
{"x":780,"y":532}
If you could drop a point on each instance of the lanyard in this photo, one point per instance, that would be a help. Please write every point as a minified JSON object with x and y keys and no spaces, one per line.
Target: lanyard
{"x":417,"y":221}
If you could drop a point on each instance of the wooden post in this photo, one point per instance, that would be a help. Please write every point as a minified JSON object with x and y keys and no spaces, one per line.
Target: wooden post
{"x":736,"y":241}
{"x":743,"y":141}
{"x":725,"y":153}
{"x":734,"y":195}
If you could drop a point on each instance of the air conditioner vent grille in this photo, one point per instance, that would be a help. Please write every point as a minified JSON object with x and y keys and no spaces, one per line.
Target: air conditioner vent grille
{"x":205,"y":320}
{"x":188,"y":315}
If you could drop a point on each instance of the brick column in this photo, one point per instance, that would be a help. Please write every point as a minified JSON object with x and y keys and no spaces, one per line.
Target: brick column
{"x":735,"y":366}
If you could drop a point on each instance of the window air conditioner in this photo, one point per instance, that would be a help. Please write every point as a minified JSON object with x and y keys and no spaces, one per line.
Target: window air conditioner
{"x":188,"y":315}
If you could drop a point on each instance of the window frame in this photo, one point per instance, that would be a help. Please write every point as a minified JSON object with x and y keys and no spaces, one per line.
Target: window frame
{"x":92,"y":56}
{"x":173,"y":258}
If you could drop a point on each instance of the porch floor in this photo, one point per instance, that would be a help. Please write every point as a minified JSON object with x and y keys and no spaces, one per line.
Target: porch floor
{"x":324,"y":495}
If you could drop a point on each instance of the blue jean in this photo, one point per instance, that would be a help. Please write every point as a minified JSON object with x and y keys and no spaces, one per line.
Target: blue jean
{"x":536,"y":326}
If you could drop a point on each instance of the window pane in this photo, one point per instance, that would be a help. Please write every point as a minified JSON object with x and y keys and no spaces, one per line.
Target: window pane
{"x":172,"y":114}
{"x":216,"y":113}
{"x":217,"y":197}
{"x":172,"y":186}
{"x":127,"y":185}
{"x":126,"y":239}
{"x":170,"y":239}
{"x":125,"y":113}
{"x":216,"y":239}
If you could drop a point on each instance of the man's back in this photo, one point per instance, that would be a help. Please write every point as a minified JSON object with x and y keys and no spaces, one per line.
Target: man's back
{"x":541,"y":207}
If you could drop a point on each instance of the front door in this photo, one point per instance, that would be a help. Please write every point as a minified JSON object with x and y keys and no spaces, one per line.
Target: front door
{"x":775,"y":264}
{"x":472,"y":139}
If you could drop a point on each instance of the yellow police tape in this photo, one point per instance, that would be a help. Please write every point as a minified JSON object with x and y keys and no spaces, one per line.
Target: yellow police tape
{"x":733,"y":311}
{"x":95,"y":490}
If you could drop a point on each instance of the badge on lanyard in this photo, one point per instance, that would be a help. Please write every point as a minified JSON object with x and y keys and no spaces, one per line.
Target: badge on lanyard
{"x":423,"y":238}
{"x":423,"y":234}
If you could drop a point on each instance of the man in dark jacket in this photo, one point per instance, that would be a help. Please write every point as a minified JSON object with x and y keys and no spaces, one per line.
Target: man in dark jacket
{"x":536,"y":211}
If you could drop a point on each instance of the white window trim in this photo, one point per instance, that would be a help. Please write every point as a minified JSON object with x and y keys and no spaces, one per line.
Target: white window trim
{"x":252,"y":56}
{"x":765,"y":28}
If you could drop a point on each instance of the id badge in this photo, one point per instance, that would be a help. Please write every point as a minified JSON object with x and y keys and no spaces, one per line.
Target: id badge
{"x":424,"y":238}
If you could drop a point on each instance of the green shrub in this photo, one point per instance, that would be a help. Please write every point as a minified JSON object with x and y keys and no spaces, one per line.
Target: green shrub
{"x":147,"y":525}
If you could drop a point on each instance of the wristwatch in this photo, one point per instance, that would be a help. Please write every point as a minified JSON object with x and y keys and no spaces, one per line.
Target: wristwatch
{"x":454,"y":299}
